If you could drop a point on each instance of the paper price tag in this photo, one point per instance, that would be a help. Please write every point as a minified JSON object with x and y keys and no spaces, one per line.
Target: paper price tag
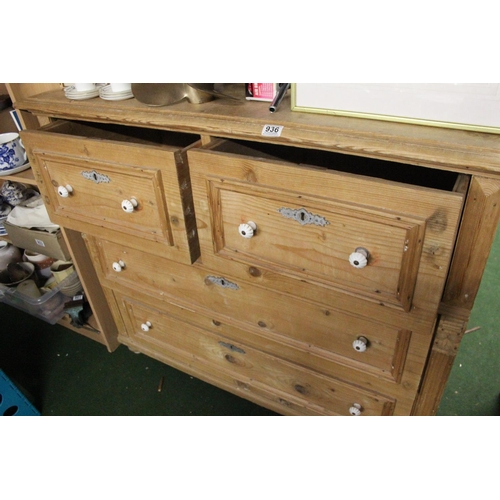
{"x":272,"y":130}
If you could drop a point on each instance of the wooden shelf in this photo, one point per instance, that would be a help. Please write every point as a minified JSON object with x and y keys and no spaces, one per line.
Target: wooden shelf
{"x":25,"y":177}
{"x":458,"y":150}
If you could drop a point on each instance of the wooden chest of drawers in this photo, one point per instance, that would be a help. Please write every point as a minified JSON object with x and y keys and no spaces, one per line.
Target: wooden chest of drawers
{"x":310,"y":281}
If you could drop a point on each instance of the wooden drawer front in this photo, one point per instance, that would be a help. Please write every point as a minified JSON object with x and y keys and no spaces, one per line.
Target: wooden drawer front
{"x":309,"y":222}
{"x":250,"y":366}
{"x":99,"y":188}
{"x":314,"y":241}
{"x":332,"y":333}
{"x":103,"y":180}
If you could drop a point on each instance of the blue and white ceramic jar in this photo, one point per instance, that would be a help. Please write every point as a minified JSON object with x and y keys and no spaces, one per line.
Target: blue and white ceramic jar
{"x":12,"y":152}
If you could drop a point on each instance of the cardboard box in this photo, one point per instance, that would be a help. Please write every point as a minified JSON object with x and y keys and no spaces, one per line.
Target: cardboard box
{"x":50,"y":244}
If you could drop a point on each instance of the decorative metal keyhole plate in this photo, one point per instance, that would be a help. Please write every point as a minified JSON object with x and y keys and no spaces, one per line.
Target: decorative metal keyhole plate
{"x":223,"y":282}
{"x":232,"y":347}
{"x":96,"y":177}
{"x":302,"y":216}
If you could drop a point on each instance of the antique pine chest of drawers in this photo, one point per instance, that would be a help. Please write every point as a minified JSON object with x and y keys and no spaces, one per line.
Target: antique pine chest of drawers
{"x":327,"y":271}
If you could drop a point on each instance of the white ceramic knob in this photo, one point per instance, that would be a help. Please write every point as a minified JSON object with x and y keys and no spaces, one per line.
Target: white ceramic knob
{"x":64,"y":191}
{"x":129,"y":205}
{"x":118,"y":266}
{"x":360,"y":344}
{"x":146,"y":326}
{"x":359,"y":258}
{"x":247,"y":230}
{"x":355,"y":410}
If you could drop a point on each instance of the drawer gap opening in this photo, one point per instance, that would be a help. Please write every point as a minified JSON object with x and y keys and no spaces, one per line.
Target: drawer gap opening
{"x":370,"y":167}
{"x":122,"y":133}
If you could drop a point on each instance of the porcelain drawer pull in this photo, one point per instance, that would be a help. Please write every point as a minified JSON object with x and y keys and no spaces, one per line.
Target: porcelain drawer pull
{"x":64,"y":191}
{"x":355,"y":410}
{"x":118,"y":266}
{"x":360,"y":344}
{"x":129,"y":205}
{"x":146,"y":326}
{"x":247,"y":230}
{"x":359,"y":258}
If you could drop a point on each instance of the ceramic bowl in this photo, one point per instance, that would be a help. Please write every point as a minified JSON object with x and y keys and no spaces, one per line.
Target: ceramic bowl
{"x":16,"y":273}
{"x":72,"y":289}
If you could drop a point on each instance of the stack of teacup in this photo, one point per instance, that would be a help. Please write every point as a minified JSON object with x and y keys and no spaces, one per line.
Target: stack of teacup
{"x":116,"y":92}
{"x":81,"y":91}
{"x":107,"y":91}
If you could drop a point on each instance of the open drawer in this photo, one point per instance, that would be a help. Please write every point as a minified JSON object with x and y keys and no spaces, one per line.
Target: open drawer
{"x":379,"y":230}
{"x":121,"y":182}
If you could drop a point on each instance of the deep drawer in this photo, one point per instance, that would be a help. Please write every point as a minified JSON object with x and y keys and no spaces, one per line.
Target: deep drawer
{"x":217,"y":355}
{"x":118,"y":181}
{"x":373,"y":237}
{"x":335,"y":336}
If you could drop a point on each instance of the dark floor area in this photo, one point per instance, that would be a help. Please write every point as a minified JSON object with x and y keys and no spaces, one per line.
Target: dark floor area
{"x":67,"y":374}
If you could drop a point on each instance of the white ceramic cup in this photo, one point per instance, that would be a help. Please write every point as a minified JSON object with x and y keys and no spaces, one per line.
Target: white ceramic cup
{"x":12,"y":152}
{"x":121,"y":87}
{"x":42,"y":262}
{"x":84,"y":87}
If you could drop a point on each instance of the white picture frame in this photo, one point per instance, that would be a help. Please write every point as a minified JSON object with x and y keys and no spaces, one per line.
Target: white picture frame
{"x":466,"y":106}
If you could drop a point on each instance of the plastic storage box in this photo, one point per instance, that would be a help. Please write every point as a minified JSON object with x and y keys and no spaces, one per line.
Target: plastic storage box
{"x":49,"y":307}
{"x":12,"y":401}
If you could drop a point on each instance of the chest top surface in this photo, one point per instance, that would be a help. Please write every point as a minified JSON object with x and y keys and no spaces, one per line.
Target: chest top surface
{"x":434,"y":147}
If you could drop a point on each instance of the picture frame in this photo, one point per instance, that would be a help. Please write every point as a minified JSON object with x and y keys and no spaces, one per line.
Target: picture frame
{"x":465,"y":106}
